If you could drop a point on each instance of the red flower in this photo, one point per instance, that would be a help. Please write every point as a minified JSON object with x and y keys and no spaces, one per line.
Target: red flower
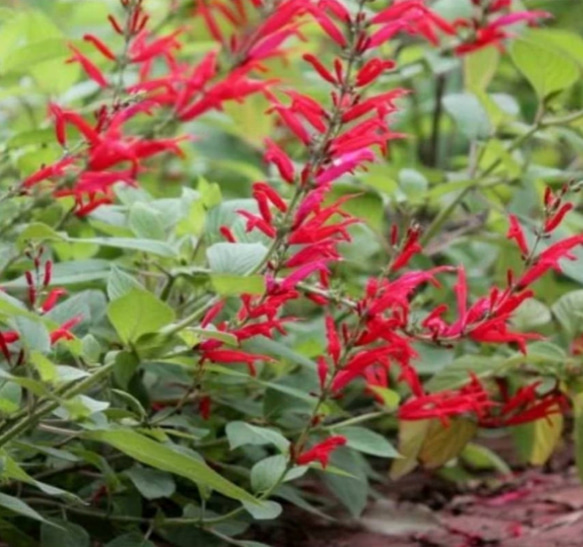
{"x":515,"y":232}
{"x":321,"y":452}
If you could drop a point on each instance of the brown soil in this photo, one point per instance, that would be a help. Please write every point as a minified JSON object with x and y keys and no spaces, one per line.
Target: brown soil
{"x":532,"y":508}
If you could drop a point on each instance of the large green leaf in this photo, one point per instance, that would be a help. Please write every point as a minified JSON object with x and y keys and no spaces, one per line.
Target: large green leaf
{"x":469,"y":115}
{"x":242,"y":433}
{"x":367,"y":441}
{"x":21,"y":508}
{"x":235,"y":258}
{"x":137,"y":313}
{"x":163,"y":457}
{"x":547,"y":69}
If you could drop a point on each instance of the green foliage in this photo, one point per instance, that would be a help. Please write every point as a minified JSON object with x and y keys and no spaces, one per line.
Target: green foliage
{"x":115,"y":429}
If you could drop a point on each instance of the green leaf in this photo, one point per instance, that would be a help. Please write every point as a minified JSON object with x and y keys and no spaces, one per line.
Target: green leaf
{"x":33,"y":334}
{"x":163,"y":457}
{"x":578,"y":432}
{"x":469,"y":115}
{"x":120,"y":283}
{"x":31,"y":54}
{"x":537,"y":440}
{"x":150,"y":246}
{"x":18,"y":506}
{"x":137,"y":313}
{"x":483,"y":459}
{"x":352,"y":490}
{"x":530,"y":315}
{"x":366,"y":441}
{"x":412,"y":435}
{"x":265,"y":510}
{"x":151,"y":483}
{"x":457,"y":374}
{"x":71,"y":273}
{"x":46,"y":369}
{"x":133,"y":539}
{"x":443,"y":442}
{"x":241,"y":433}
{"x":235,"y":258}
{"x":480,"y":67}
{"x":234,"y":285}
{"x":209,"y":334}
{"x":546,"y":68}
{"x":61,"y":533}
{"x":569,"y":311}
{"x":146,"y":222}
{"x":266,"y":473}
{"x":390,"y":398}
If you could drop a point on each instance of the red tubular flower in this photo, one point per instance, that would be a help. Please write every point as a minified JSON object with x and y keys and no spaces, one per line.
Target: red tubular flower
{"x":52,"y":298}
{"x":320,"y":68}
{"x":100,"y":46}
{"x":234,"y":356}
{"x":204,"y":407}
{"x":556,"y":219}
{"x":334,"y":346}
{"x":322,"y":371}
{"x":91,"y":70}
{"x":321,"y":452}
{"x":515,"y":232}
{"x":64,"y":331}
{"x":549,"y":259}
{"x":277,"y":156}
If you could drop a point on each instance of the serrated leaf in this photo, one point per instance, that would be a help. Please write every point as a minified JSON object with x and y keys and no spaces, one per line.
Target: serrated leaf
{"x":137,"y":313}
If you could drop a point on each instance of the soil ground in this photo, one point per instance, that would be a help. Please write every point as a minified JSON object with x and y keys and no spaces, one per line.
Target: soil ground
{"x":532,"y":508}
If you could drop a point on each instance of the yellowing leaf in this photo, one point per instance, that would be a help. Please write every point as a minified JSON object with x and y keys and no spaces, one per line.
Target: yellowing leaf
{"x":444,"y":442}
{"x":411,"y":437}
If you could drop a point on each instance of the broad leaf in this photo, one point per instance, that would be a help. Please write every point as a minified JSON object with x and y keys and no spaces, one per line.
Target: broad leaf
{"x":546,"y":68}
{"x":241,"y":433}
{"x":163,"y":457}
{"x":137,"y":313}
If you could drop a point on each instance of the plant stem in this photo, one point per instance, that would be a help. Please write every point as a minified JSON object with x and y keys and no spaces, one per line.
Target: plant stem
{"x":46,"y":406}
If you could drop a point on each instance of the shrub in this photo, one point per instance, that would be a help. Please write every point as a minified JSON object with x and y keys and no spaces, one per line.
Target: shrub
{"x":257,"y":240}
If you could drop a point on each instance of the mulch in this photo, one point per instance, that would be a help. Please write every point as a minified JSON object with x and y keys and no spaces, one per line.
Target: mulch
{"x":531,"y":508}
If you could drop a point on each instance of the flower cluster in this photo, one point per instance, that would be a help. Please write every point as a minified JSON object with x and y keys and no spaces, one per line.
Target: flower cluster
{"x":489,"y":26}
{"x":110,"y":153}
{"x":374,"y":343}
{"x":41,"y":299}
